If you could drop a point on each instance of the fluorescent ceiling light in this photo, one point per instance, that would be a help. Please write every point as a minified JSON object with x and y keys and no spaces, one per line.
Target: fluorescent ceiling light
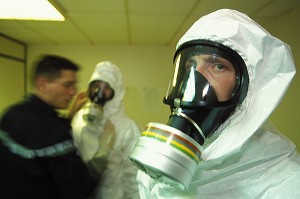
{"x":29,"y":10}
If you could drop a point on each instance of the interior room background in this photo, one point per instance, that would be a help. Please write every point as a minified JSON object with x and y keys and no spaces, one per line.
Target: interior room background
{"x":146,"y":73}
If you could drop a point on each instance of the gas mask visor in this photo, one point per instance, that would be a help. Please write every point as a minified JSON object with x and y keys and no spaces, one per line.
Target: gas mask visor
{"x":96,"y":92}
{"x":209,"y":81}
{"x":208,"y":74}
{"x":92,"y":111}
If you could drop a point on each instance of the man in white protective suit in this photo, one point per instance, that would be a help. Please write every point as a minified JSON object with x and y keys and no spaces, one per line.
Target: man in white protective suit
{"x":230,"y":75}
{"x":105,"y":136}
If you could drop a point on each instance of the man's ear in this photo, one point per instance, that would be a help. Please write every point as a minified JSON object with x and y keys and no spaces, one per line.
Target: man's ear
{"x":41,"y":84}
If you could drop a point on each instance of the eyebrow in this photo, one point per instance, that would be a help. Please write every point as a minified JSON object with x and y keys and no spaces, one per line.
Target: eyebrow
{"x":212,"y":59}
{"x":207,"y":58}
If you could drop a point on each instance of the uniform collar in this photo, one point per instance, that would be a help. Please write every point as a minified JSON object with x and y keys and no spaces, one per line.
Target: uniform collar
{"x":34,"y":99}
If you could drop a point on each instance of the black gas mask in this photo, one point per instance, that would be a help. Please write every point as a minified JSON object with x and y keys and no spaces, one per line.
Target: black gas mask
{"x":209,"y":81}
{"x":96,"y":92}
{"x":92,"y":111}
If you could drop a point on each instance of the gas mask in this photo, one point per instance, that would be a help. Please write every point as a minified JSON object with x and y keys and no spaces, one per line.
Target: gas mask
{"x":93,"y":109}
{"x":96,"y":93}
{"x":209,"y":81}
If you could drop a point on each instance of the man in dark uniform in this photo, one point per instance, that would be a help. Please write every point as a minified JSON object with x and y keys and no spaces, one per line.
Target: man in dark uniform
{"x":37,"y":155}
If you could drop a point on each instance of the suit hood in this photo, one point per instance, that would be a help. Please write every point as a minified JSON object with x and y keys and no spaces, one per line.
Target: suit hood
{"x":270,"y":67}
{"x":108,"y":72}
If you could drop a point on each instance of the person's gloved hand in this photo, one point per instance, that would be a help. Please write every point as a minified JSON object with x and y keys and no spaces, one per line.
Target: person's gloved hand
{"x":80,"y":99}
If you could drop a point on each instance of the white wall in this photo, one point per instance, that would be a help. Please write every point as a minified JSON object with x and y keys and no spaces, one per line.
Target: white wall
{"x":286,"y":116}
{"x":12,"y":72}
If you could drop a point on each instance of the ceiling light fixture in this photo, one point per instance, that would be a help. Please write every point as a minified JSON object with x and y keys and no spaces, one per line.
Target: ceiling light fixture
{"x":29,"y":10}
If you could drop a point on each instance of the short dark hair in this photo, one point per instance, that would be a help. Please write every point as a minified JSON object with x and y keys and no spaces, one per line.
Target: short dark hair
{"x":50,"y":66}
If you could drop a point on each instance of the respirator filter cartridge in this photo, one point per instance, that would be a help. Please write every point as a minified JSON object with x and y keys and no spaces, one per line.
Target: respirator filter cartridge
{"x":167,"y":155}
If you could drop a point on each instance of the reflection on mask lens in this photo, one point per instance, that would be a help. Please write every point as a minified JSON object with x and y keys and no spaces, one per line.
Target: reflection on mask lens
{"x":97,"y":95}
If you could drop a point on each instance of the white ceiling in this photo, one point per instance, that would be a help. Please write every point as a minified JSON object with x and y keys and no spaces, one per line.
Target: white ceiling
{"x":134,"y":22}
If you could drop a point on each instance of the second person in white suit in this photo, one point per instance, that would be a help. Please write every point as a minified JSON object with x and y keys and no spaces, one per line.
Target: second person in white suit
{"x":105,"y":136}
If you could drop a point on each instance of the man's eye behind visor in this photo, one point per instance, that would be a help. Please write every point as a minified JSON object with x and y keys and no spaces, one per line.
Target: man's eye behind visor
{"x":207,"y":74}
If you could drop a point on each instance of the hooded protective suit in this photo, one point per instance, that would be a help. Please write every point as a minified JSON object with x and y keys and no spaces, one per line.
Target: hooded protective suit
{"x":109,"y":139}
{"x":246,"y":157}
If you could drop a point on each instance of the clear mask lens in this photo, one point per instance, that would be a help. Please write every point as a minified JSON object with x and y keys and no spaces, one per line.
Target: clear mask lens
{"x":203,"y":76}
{"x":96,"y":92}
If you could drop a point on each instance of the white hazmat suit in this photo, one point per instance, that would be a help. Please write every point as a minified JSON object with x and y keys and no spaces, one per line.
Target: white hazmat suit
{"x":118,"y":180}
{"x":246,"y":157}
